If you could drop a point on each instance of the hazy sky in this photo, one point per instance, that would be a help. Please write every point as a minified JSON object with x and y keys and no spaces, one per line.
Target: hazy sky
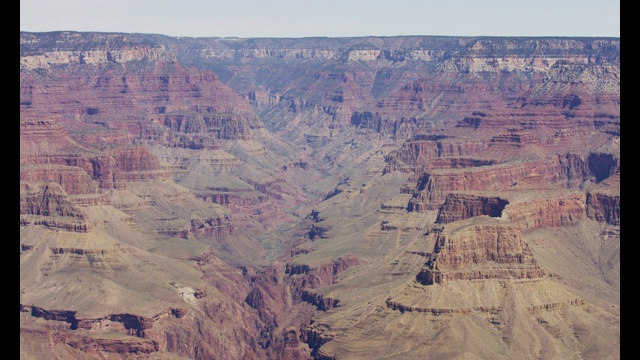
{"x":303,"y":18}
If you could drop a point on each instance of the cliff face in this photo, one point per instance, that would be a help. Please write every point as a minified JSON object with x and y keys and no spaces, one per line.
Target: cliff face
{"x":604,"y":207}
{"x":398,"y":86}
{"x":142,"y":99}
{"x":462,"y":256}
{"x":433,"y":188}
{"x":568,"y":171}
{"x":552,"y":211}
{"x":460,"y":207}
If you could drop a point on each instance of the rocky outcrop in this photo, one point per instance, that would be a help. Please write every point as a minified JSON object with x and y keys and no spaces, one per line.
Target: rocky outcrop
{"x":413,"y":48}
{"x":47,"y":200}
{"x":57,"y":223}
{"x":603,"y":207}
{"x":569,"y":170}
{"x":480,"y":252}
{"x":492,"y":83}
{"x":43,"y":138}
{"x":434,"y":187}
{"x":49,"y":205}
{"x":319,"y":301}
{"x":517,"y":140}
{"x":594,"y":167}
{"x":133,"y":346}
{"x":220,"y":198}
{"x":459,"y":207}
{"x":427,"y":152}
{"x":268,"y":295}
{"x":131,"y":324}
{"x":78,"y":251}
{"x":315,"y":336}
{"x":212,"y":228}
{"x":294,"y":348}
{"x":326,"y":274}
{"x":438,"y":311}
{"x":546,"y":211}
{"x":275,"y":290}
{"x":72,"y":179}
{"x":296,"y":165}
{"x":138,"y":164}
{"x":70,"y":50}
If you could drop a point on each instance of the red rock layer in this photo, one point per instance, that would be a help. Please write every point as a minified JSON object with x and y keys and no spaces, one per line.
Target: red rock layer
{"x":121,"y":96}
{"x":480,"y":252}
{"x":49,"y":200}
{"x":553,"y":211}
{"x":433,"y":188}
{"x":428,"y":152}
{"x":568,"y":170}
{"x":459,"y":207}
{"x":322,"y":276}
{"x":73,"y":180}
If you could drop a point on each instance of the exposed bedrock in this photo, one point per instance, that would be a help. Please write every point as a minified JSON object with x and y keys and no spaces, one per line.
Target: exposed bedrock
{"x":137,"y":158}
{"x":547,"y":211}
{"x":319,"y":301}
{"x":434,"y":187}
{"x":459,"y":207}
{"x":78,"y":251}
{"x":226,"y":126}
{"x":275,"y":291}
{"x":95,"y":108}
{"x":43,"y":137}
{"x":84,"y":174}
{"x":72,"y":179}
{"x":604,"y":207}
{"x":130,"y":163}
{"x":602,"y":165}
{"x":272,"y":291}
{"x":269,"y":294}
{"x":112,"y":346}
{"x":57,"y":223}
{"x":47,"y":200}
{"x":131,"y":324}
{"x":184,"y":100}
{"x":324,"y":275}
{"x":595,"y":167}
{"x":217,"y":198}
{"x":294,"y":348}
{"x":480,"y":252}
{"x":212,"y":228}
{"x":47,"y":204}
{"x":428,"y":152}
{"x":569,"y":170}
{"x":517,"y":140}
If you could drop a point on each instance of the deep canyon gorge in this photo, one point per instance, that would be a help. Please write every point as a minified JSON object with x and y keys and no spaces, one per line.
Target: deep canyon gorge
{"x":410,"y":197}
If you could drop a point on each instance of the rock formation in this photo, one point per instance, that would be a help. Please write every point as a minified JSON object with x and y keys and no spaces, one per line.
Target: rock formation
{"x":319,"y":198}
{"x":480,"y":252}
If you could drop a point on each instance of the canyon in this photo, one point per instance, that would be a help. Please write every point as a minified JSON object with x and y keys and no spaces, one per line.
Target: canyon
{"x":403,"y":197}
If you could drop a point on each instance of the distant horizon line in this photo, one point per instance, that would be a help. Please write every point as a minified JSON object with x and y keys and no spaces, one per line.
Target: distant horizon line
{"x":321,"y":36}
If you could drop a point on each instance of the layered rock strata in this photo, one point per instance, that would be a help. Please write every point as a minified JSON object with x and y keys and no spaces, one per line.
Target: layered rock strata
{"x":459,"y":207}
{"x":480,"y":252}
